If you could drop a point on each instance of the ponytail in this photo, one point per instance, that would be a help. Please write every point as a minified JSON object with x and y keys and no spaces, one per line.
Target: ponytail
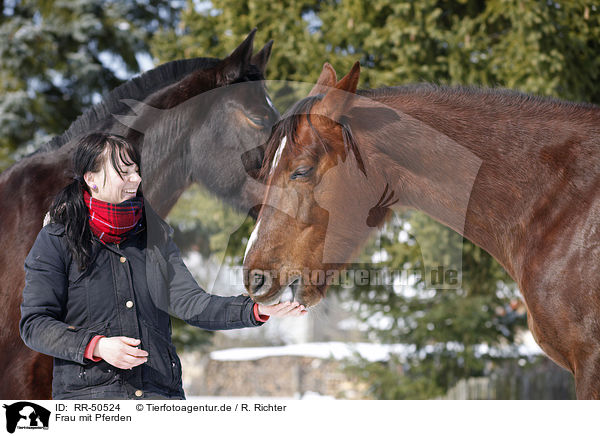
{"x":69,"y":209}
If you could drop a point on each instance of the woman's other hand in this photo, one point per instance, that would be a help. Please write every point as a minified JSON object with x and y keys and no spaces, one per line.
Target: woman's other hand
{"x":121,"y":352}
{"x":282,"y":310}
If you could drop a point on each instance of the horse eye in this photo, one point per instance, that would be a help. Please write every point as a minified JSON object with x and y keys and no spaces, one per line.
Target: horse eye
{"x":260,"y":122}
{"x":301,"y":172}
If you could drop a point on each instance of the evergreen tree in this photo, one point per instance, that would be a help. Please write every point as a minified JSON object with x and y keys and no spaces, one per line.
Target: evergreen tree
{"x":455,"y":332}
{"x":58,"y":56}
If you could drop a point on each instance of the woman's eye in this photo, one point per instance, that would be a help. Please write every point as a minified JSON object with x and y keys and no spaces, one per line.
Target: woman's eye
{"x":129,"y":171}
{"x":301,"y":172}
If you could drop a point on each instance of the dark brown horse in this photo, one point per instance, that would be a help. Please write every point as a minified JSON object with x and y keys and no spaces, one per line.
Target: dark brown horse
{"x":198,"y":120}
{"x":517,"y":175}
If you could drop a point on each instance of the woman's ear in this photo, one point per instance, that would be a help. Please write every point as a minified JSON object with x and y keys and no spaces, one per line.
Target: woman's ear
{"x":90,"y":181}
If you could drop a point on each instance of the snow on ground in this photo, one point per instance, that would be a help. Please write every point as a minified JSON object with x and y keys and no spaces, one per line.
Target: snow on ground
{"x":312,"y":396}
{"x":340,"y":350}
{"x":322,"y":350}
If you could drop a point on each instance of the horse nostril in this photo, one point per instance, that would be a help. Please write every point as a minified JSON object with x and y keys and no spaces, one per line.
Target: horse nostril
{"x":258,"y":285}
{"x":258,"y":279}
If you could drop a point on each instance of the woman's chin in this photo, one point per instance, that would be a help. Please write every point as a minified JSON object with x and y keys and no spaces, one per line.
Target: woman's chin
{"x":127,"y":196}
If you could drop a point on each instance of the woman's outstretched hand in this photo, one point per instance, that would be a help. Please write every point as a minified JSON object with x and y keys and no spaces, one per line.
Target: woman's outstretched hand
{"x":121,"y":351}
{"x":282,"y":310}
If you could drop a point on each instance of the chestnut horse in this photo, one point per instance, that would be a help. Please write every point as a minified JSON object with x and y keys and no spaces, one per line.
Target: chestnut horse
{"x":517,"y":175}
{"x":197,"y":120}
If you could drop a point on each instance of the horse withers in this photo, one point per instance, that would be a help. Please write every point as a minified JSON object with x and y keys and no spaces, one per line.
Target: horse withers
{"x":199,"y":120}
{"x":517,"y":175}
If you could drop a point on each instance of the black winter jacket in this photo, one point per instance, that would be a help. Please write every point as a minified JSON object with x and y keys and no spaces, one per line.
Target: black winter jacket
{"x":129,"y":289}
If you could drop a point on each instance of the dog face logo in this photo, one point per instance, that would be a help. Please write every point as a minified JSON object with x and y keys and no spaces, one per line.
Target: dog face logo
{"x":26,"y":415}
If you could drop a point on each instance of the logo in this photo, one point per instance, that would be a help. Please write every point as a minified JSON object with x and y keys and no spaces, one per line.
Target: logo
{"x":26,"y":415}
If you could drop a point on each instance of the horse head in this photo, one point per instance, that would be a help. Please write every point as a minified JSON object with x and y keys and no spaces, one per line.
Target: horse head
{"x":322,"y":199}
{"x":209,"y":127}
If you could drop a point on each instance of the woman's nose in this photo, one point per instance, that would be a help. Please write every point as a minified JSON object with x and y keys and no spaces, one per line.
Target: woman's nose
{"x":135,"y":177}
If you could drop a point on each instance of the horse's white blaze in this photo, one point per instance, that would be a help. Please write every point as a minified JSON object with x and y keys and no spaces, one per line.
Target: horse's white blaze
{"x":252,"y":239}
{"x":254,"y":234}
{"x":278,"y":154}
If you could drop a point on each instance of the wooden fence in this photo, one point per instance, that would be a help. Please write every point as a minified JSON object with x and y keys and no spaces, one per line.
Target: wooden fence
{"x":542,"y":381}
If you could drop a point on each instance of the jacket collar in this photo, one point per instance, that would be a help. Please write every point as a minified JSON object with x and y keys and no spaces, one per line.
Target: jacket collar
{"x":157,"y":230}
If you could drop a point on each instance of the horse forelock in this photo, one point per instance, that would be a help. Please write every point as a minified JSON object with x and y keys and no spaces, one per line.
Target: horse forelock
{"x":285,"y":134}
{"x":252,"y":74}
{"x":285,"y":129}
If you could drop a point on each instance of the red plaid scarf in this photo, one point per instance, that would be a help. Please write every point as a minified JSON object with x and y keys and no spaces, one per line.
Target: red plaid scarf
{"x":111,"y":222}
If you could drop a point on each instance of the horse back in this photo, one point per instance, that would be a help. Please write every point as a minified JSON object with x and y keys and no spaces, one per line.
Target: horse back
{"x":26,"y":191}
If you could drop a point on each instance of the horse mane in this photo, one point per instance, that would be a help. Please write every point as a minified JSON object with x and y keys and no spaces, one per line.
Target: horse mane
{"x":507,"y":98}
{"x":137,"y":88}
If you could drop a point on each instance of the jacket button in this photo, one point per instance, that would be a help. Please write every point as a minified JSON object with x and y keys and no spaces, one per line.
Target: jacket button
{"x":129,"y":304}
{"x":139,"y":393}
{"x":122,"y":259}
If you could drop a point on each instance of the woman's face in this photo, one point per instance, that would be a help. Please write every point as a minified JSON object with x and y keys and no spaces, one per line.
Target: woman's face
{"x":110,"y":186}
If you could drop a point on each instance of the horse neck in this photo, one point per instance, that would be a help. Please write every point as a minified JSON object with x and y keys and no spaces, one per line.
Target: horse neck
{"x":26,"y":192}
{"x":166,"y":173}
{"x":483,"y":164}
{"x":171,"y":119}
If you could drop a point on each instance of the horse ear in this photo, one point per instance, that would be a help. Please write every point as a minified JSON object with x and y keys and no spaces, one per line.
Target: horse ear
{"x":338,"y":100}
{"x":327,"y":79}
{"x":233,"y":66}
{"x":261,"y":58}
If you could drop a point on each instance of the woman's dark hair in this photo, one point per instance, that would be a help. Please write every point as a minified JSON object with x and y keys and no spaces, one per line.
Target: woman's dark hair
{"x":68,"y":208}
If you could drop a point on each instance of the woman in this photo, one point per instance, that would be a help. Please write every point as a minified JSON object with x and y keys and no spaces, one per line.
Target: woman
{"x":101,"y":279}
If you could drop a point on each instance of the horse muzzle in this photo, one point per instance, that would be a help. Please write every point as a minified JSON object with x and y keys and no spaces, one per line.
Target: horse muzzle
{"x":265,"y":289}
